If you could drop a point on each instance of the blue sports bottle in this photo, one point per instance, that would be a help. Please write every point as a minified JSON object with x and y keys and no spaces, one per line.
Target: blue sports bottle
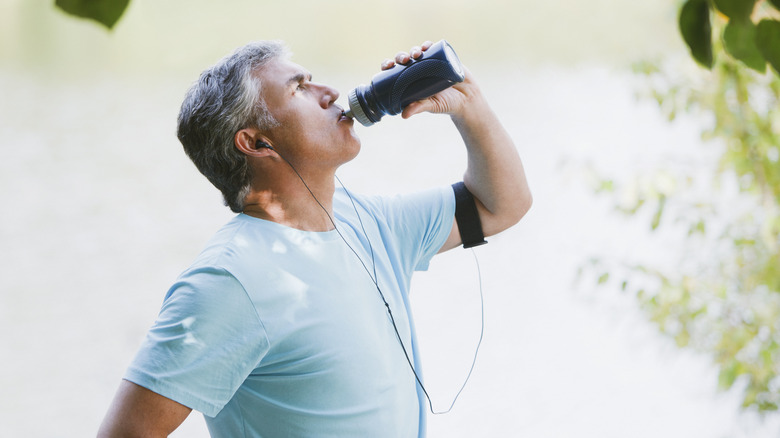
{"x":392,"y":90}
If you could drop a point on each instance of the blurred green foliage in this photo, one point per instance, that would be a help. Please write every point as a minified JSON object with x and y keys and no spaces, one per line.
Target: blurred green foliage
{"x":722,"y":295}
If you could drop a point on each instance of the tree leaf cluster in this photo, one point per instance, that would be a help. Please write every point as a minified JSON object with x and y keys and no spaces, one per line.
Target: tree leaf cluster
{"x":751,"y":35}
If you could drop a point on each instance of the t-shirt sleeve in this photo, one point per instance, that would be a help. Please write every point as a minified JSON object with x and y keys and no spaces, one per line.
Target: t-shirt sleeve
{"x":422,"y":221}
{"x":206,"y":340}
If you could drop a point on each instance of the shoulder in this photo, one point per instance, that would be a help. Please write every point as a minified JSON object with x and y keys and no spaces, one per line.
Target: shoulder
{"x":231,"y":245}
{"x":222,"y":269}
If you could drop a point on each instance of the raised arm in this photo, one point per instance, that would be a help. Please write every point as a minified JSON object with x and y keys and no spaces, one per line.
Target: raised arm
{"x":494,"y":172}
{"x":139,"y":412}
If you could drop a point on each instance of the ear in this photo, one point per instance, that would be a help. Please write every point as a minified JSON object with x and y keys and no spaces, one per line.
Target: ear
{"x":247,"y":140}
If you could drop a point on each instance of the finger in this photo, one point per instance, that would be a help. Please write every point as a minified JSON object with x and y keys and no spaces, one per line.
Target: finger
{"x":387,"y":64}
{"x":426,"y":45}
{"x":402,"y":58}
{"x":414,"y":108}
{"x":416,"y":52}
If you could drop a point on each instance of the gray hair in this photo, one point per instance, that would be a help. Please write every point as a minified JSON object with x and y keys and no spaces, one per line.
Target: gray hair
{"x":225,"y":99}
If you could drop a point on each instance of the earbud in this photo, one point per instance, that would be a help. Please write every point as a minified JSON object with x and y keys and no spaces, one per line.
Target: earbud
{"x":262,"y":144}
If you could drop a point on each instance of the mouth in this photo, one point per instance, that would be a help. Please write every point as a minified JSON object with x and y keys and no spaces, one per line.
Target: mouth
{"x":342,"y":116}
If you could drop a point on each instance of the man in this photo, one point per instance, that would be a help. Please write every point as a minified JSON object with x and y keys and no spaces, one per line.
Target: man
{"x":281,"y":326}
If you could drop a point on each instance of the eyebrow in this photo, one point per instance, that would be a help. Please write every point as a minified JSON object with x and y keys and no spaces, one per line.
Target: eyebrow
{"x":300,"y":77}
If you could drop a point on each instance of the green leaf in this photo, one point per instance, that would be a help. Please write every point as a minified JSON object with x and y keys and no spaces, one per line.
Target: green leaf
{"x":603,"y":278}
{"x":728,"y":374}
{"x":768,"y":41}
{"x":739,"y":37}
{"x":697,"y":31}
{"x":683,"y":338}
{"x":105,"y":12}
{"x":736,"y":9}
{"x":606,"y":185}
{"x":699,"y":227}
{"x":658,"y":212}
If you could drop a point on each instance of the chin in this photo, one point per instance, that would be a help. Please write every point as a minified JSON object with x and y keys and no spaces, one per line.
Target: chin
{"x":354,"y":149}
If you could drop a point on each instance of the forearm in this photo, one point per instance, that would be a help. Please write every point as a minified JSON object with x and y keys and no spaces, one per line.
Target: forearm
{"x":494,"y":173}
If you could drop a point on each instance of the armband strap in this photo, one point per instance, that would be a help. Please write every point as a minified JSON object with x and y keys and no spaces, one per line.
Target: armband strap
{"x":467,"y":217}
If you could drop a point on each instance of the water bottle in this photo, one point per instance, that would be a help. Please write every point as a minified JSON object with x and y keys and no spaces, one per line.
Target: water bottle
{"x":391,"y":90}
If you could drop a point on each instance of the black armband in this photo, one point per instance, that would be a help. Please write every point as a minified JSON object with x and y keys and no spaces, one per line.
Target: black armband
{"x":467,"y":217}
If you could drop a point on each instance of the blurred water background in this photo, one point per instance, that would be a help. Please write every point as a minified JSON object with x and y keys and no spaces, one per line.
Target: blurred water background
{"x":101,"y":209}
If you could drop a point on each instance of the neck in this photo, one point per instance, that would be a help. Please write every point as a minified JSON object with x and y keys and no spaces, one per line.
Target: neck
{"x":287,"y":201}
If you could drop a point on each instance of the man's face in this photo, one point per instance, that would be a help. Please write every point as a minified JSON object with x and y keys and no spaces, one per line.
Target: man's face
{"x":311,"y":128}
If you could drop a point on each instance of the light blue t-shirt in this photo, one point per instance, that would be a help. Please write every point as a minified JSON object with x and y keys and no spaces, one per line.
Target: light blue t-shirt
{"x":277,"y":332}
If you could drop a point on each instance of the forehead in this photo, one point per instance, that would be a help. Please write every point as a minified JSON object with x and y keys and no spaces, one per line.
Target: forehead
{"x":280,"y":74}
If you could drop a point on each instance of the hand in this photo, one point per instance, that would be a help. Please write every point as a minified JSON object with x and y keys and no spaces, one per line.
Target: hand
{"x":453,"y":101}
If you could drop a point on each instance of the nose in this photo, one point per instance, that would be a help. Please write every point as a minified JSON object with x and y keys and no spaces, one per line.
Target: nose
{"x":329,"y":96}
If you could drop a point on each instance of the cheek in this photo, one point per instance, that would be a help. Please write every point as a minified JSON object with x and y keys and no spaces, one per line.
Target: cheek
{"x":290,"y":131}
